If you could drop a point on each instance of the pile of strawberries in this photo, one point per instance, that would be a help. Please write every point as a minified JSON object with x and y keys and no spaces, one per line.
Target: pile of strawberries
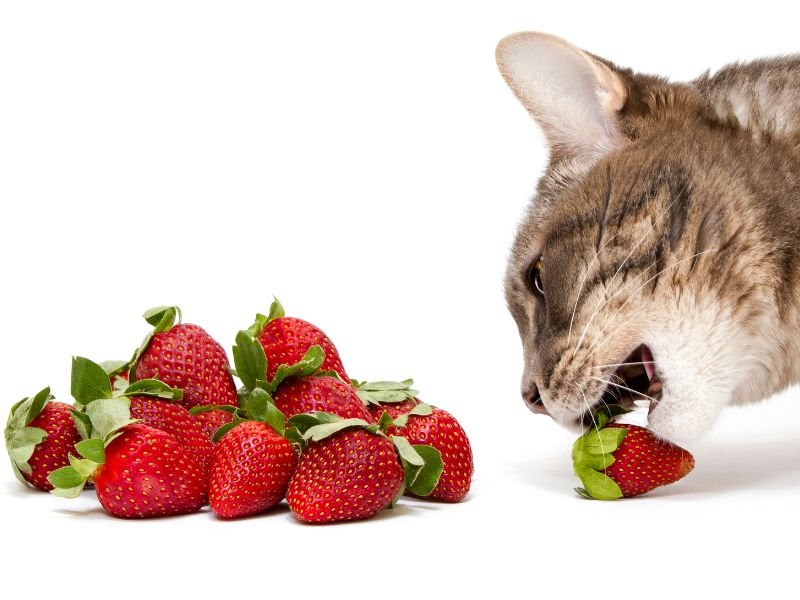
{"x":168,"y":431}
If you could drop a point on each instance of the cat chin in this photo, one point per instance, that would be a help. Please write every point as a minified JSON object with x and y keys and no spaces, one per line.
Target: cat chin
{"x":681,"y":421}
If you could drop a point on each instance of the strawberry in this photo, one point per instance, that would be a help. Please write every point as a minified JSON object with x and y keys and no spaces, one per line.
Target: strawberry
{"x":152,"y":402}
{"x":346,"y":477}
{"x":424,"y":424}
{"x":287,"y":339}
{"x":148,"y":474}
{"x":615,"y":460}
{"x":351,"y":470}
{"x":297,"y":388}
{"x":441,"y":431}
{"x":252,"y":459}
{"x":174,"y":419}
{"x":212,"y":420}
{"x":139,"y":472}
{"x":185,"y":357}
{"x":320,"y":393}
{"x":250,"y":471}
{"x":40,"y":435}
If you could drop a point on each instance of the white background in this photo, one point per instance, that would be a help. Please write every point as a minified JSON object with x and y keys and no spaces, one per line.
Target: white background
{"x":367,"y":164}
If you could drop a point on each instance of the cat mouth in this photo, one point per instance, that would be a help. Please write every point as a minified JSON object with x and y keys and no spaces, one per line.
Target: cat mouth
{"x":635,"y":379}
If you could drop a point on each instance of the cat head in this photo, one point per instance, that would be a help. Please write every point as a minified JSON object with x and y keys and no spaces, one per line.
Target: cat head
{"x":643,"y":268}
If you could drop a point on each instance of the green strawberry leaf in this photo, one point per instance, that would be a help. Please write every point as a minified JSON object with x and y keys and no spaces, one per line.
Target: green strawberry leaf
{"x":428,"y":476}
{"x":407,"y":452}
{"x":255,"y":406}
{"x":152,"y":388}
{"x":275,"y":419}
{"x":604,"y":441}
{"x":89,"y":381}
{"x":82,"y":423}
{"x":329,"y":373}
{"x":598,"y":485}
{"x":109,"y":415}
{"x":257,"y":328}
{"x":21,"y":444}
{"x":16,"y":405}
{"x":261,"y":321}
{"x":162,"y":318}
{"x":421,"y":410}
{"x":67,"y":482}
{"x":318,"y":433}
{"x":114,"y":367}
{"x":37,"y":404}
{"x":84,"y":467}
{"x":275,"y":311}
{"x":196,"y":410}
{"x":92,"y":450}
{"x":308,"y":365}
{"x":250,"y":360}
{"x":385,"y":421}
{"x":381,"y":392}
{"x":18,"y":474}
{"x":397,"y":496}
{"x":377,"y":386}
{"x":582,"y":492}
{"x":65,"y":477}
{"x":598,"y":462}
{"x":304,"y":421}
{"x":220,"y":433}
{"x":293,"y":435}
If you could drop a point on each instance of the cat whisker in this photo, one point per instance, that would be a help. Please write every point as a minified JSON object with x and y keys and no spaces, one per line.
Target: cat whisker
{"x":590,"y":413}
{"x":624,"y":261}
{"x":586,"y":274}
{"x":640,"y":288}
{"x":606,"y":301}
{"x":623,"y":387}
{"x":625,"y":364}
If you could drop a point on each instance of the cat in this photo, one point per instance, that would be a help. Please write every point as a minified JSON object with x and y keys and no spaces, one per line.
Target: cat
{"x":658,"y":259}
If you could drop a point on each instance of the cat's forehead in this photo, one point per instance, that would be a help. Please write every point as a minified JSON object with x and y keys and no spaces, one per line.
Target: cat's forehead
{"x":597,"y":206}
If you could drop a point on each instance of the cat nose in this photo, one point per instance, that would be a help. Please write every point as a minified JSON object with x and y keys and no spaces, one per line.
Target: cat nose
{"x":533,"y":400}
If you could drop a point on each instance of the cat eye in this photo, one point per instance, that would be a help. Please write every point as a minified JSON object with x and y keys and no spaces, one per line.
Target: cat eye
{"x":534,"y":277}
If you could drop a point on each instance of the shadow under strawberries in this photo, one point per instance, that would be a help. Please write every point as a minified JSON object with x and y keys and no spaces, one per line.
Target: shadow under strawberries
{"x":722,"y":466}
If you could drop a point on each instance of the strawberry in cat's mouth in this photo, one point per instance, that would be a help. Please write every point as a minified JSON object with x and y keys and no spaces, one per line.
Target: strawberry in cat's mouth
{"x":635,"y":378}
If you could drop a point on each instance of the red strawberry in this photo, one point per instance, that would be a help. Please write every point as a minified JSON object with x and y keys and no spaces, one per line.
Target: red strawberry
{"x":141,"y":472}
{"x":425,"y":425}
{"x":211,"y":420}
{"x":296,"y":388}
{"x":441,"y":431}
{"x":350,"y":475}
{"x":351,"y":469}
{"x":250,"y":471}
{"x":151,"y":401}
{"x":395,"y":409}
{"x":185,"y":357}
{"x":40,"y":435}
{"x":320,"y":393}
{"x":619,"y":460}
{"x":287,"y":339}
{"x":147,"y":473}
{"x":174,"y":419}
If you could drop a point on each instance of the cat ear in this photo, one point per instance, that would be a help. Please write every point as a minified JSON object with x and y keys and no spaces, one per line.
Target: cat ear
{"x":573,"y":96}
